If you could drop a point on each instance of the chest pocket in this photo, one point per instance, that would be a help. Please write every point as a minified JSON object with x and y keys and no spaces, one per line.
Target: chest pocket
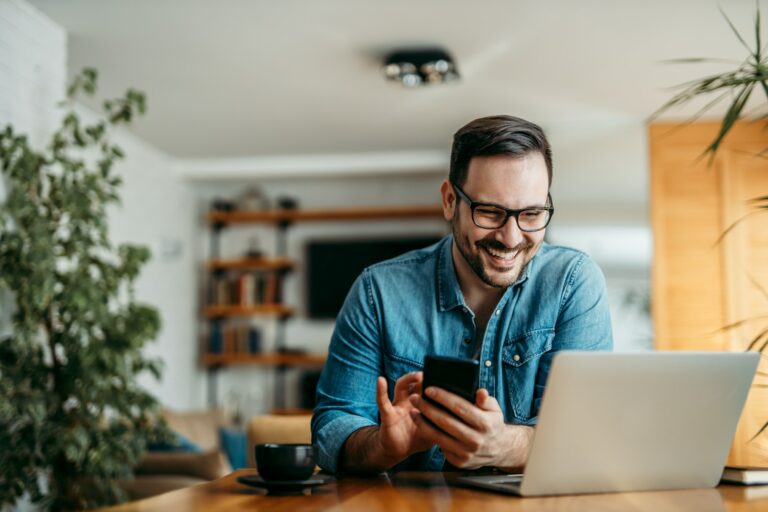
{"x":521,"y":356}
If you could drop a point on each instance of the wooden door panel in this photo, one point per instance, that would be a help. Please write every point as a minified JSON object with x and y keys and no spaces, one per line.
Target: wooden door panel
{"x":700,"y":284}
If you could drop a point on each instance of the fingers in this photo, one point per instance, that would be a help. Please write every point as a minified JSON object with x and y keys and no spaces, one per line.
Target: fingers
{"x":382,"y":399}
{"x":445,"y":421}
{"x":485,"y":401}
{"x":428,"y":431}
{"x":408,"y":384}
{"x":465,"y":410}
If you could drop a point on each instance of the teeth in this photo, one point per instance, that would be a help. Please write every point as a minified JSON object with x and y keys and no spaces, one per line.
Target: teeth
{"x":501,"y":254}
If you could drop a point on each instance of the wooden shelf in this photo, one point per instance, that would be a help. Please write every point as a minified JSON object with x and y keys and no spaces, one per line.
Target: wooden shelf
{"x":274,"y":359}
{"x":251,"y":264}
{"x":292,"y":412}
{"x":275,"y":216}
{"x":280,"y":310}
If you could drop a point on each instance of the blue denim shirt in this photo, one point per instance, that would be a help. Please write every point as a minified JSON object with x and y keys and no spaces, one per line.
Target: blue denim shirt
{"x":402,"y":309}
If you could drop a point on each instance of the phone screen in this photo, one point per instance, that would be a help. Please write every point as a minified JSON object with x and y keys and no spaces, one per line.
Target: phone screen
{"x":454,"y":374}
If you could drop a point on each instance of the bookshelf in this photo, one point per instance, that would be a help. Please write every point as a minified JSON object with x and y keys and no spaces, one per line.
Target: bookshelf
{"x":241,"y":288}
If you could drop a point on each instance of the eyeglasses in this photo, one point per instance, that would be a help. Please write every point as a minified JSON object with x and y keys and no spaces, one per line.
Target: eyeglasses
{"x":493,"y":216}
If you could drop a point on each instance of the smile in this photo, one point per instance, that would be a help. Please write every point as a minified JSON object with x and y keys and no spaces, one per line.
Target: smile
{"x":506,"y":256}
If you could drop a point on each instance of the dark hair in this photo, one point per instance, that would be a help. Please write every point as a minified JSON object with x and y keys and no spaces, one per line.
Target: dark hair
{"x":496,"y":135}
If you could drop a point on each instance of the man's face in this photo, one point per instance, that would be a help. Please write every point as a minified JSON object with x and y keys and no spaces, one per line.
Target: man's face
{"x":498,"y":256}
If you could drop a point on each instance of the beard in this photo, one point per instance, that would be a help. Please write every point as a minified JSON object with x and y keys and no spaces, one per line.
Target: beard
{"x":525,"y":252}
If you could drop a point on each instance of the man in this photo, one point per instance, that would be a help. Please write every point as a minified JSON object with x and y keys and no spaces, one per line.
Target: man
{"x":493,"y":291}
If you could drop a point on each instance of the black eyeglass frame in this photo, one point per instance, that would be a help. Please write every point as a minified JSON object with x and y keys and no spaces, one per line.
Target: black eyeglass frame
{"x":508,"y":211}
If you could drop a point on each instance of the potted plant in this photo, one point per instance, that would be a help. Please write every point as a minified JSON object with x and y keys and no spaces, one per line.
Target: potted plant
{"x":73,"y":420}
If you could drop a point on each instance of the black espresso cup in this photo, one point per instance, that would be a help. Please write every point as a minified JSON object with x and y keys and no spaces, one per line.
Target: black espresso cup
{"x":285,"y":461}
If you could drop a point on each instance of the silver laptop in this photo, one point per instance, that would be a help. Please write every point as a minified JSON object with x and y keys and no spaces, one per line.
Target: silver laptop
{"x":615,"y":422}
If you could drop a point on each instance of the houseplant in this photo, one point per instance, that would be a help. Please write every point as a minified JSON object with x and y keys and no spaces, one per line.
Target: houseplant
{"x":73,"y":420}
{"x":737,"y":85}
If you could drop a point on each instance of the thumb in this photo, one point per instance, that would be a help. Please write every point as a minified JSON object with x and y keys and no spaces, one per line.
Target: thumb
{"x":485,"y":401}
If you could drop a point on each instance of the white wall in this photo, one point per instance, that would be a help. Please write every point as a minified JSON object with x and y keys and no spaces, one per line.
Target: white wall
{"x":157,"y":211}
{"x":157,"y":208}
{"x":33,"y":52}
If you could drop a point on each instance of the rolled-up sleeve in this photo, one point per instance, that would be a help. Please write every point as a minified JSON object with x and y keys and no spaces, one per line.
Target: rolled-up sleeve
{"x":346,"y":392}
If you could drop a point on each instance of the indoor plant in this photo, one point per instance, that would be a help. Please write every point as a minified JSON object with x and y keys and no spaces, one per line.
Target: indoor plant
{"x":73,"y":420}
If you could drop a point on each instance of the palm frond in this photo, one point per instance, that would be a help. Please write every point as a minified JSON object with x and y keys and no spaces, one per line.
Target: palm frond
{"x":756,"y":340}
{"x":758,"y":285}
{"x":742,"y":81}
{"x":740,"y":323}
{"x":733,"y":115}
{"x":699,"y":60}
{"x":758,"y":46}
{"x":735,"y":31}
{"x":731,"y":227}
{"x":762,"y":429}
{"x":765,"y":343}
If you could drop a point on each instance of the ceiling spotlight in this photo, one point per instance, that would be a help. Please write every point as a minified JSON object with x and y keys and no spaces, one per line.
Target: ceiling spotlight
{"x":412,"y":67}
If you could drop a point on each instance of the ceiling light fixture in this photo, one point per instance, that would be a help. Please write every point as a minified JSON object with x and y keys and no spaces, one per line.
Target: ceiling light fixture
{"x":412,"y":67}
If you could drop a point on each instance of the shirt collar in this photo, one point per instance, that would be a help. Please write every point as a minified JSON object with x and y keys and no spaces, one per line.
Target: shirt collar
{"x":448,"y":289}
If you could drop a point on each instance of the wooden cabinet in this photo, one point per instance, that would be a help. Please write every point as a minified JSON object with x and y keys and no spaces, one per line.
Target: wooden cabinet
{"x":710,"y":264}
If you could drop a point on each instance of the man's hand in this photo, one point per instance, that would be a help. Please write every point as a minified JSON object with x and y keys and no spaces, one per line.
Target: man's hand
{"x":397,"y":437}
{"x":471,"y":436}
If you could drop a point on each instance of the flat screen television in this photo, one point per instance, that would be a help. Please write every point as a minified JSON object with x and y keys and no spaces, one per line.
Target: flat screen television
{"x":333,"y":265}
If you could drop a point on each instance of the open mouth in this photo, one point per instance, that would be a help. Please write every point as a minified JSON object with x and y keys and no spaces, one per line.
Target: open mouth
{"x":501,"y":259}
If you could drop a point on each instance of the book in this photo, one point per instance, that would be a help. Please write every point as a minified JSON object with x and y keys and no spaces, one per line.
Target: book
{"x":745,"y":475}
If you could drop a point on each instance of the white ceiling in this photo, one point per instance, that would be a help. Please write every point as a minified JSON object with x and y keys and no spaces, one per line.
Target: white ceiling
{"x":241,"y":78}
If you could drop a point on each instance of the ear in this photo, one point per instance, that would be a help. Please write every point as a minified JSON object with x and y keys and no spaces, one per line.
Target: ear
{"x":449,"y":199}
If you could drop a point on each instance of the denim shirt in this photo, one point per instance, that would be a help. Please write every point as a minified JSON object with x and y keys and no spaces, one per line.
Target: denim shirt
{"x":400,"y":310}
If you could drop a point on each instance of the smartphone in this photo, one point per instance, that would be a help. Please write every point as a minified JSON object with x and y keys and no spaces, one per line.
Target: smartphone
{"x":455,"y":374}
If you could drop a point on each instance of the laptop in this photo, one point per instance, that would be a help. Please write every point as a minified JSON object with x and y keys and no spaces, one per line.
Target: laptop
{"x":618,"y":422}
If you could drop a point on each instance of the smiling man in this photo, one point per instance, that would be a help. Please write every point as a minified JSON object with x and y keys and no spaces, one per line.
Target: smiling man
{"x":492,"y":291}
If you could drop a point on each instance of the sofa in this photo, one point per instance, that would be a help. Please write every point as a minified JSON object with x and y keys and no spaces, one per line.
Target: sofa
{"x":164,"y":471}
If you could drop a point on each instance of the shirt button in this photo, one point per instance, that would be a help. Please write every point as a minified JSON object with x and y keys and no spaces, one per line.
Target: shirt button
{"x":463,"y":310}
{"x":498,"y":312}
{"x":488,"y":364}
{"x":467,"y":340}
{"x":516,"y":357}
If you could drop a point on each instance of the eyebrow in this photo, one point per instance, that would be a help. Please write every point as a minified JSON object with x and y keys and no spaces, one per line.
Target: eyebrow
{"x":497,"y":205}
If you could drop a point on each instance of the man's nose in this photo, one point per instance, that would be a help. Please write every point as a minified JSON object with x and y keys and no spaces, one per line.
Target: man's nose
{"x":511,"y":233}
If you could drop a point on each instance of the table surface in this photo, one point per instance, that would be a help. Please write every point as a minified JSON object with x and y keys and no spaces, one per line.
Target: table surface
{"x":386,"y":493}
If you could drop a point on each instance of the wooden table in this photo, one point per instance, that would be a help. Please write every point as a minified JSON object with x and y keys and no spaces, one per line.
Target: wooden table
{"x":383,"y":493}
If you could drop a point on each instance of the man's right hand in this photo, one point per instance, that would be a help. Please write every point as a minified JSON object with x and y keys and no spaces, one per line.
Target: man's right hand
{"x":381,"y":447}
{"x":399,"y":433}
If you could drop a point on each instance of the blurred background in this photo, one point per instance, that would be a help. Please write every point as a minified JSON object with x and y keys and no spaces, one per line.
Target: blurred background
{"x":257,"y":104}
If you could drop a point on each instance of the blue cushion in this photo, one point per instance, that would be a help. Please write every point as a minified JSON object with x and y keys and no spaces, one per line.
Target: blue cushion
{"x":235,"y":446}
{"x":179,"y":444}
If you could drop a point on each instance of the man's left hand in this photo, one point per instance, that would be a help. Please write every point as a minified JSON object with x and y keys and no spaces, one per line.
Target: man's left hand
{"x":471,"y":436}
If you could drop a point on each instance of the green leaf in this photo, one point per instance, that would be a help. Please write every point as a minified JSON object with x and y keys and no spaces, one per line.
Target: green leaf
{"x":735,"y":31}
{"x":64,"y":384}
{"x":733,"y":115}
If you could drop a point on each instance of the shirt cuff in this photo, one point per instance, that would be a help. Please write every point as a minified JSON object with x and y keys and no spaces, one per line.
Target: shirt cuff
{"x":331,"y":439}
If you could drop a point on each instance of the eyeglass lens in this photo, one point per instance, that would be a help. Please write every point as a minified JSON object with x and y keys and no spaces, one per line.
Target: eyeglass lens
{"x":527,"y":220}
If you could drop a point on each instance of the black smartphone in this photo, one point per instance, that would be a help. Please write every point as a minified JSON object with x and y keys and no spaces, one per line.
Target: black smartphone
{"x":455,"y":374}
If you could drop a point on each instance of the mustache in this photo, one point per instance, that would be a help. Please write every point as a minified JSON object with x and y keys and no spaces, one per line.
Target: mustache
{"x":498,"y":246}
